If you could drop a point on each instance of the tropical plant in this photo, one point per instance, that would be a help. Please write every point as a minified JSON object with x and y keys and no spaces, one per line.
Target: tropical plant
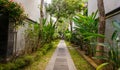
{"x":100,"y":67}
{"x":47,"y":31}
{"x":86,"y":31}
{"x":112,"y":55}
{"x":101,"y":27}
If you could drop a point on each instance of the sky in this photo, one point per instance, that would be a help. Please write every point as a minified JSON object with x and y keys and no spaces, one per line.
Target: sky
{"x":48,"y":1}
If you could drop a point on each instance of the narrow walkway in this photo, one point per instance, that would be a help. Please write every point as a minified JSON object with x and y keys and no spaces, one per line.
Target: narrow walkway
{"x":61,"y":59}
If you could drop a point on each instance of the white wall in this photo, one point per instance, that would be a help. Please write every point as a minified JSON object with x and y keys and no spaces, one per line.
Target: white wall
{"x":31,"y":8}
{"x":109,"y":5}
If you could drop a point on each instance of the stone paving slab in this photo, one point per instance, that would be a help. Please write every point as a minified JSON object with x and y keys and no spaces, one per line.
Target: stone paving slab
{"x":61,"y":59}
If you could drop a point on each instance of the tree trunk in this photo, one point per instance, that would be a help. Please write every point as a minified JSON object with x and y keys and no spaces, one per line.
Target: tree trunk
{"x":41,"y":9}
{"x":71,"y":26}
{"x":41,"y":19}
{"x":101,"y":28}
{"x":56,"y":21}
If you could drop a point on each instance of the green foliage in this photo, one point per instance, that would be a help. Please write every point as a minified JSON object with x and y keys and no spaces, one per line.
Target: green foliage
{"x":112,"y":56}
{"x":19,"y":63}
{"x":64,"y":8}
{"x":116,"y":25}
{"x":73,"y":6}
{"x":9,"y":66}
{"x":67,"y":35}
{"x":79,"y":61}
{"x":31,"y":37}
{"x":38,"y":55}
{"x":100,"y":67}
{"x":86,"y":32}
{"x":42,"y":60}
{"x":14,"y":10}
{"x":56,"y":8}
{"x":56,"y":35}
{"x":47,"y":31}
{"x":27,"y":60}
{"x":86,"y":25}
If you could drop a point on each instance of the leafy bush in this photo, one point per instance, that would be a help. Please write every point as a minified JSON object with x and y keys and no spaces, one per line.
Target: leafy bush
{"x":14,"y":10}
{"x":43,"y":51}
{"x":67,"y":35}
{"x":9,"y":66}
{"x":28,"y":60}
{"x":1,"y":67}
{"x":38,"y":55}
{"x":31,"y":36}
{"x":86,"y":32}
{"x":19,"y":63}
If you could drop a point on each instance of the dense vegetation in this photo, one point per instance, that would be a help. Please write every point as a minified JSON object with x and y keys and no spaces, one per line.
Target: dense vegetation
{"x":29,"y":59}
{"x":13,"y":10}
{"x":88,"y":32}
{"x":72,"y":24}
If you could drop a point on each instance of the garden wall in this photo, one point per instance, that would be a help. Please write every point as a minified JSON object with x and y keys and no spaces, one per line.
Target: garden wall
{"x":109,"y":5}
{"x":31,"y":8}
{"x":112,"y":14}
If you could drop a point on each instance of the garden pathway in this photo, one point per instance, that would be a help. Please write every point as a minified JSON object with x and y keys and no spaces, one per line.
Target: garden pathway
{"x":61,"y":59}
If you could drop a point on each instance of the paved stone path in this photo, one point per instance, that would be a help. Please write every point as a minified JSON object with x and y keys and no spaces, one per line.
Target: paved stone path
{"x":61,"y":59}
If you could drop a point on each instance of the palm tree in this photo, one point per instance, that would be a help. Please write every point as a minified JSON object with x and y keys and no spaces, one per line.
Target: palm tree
{"x":41,"y":9}
{"x":41,"y":19}
{"x":101,"y":28}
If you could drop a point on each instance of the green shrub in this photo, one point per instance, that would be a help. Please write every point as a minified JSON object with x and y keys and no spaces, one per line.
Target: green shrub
{"x":1,"y":67}
{"x":19,"y":63}
{"x":44,"y":51}
{"x":50,"y":46}
{"x":9,"y":66}
{"x":28,"y":60}
{"x":38,"y":55}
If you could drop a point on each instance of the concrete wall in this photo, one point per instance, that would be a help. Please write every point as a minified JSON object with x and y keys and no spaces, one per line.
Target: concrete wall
{"x":31,"y":8}
{"x":20,"y":39}
{"x":109,"y":5}
{"x":109,"y":27}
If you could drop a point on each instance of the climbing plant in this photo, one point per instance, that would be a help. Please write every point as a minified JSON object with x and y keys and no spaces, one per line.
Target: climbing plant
{"x":13,"y":10}
{"x":31,"y":36}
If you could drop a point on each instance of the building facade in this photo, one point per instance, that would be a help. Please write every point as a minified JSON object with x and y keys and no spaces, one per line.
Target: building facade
{"x":14,"y":41}
{"x":112,"y":11}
